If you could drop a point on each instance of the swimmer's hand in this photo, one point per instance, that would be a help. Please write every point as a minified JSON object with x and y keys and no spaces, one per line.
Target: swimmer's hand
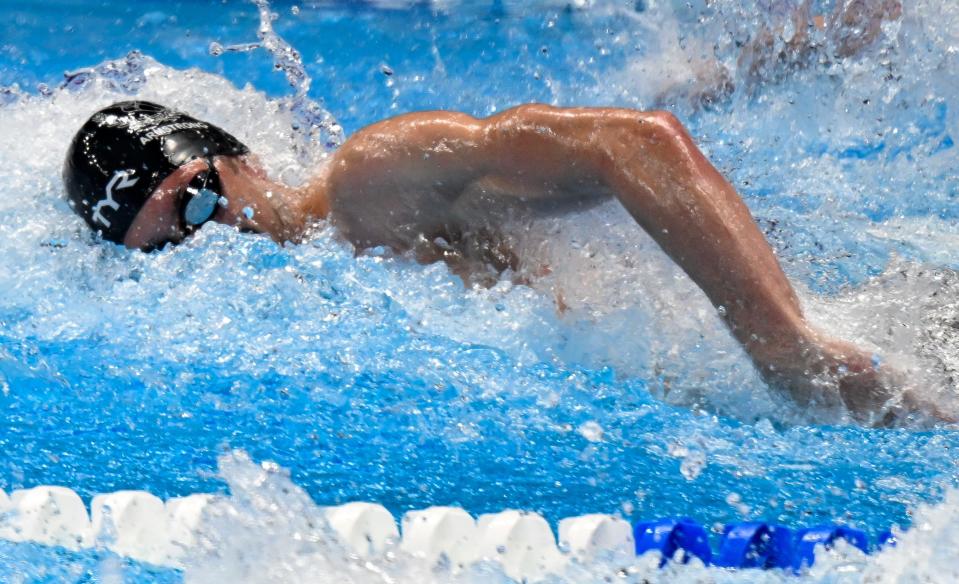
{"x":880,"y":395}
{"x":875,"y":394}
{"x":912,"y":409}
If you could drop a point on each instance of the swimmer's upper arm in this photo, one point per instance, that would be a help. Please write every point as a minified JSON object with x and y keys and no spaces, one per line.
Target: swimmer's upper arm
{"x":546,"y":155}
{"x":400,"y":176}
{"x":438,"y":165}
{"x":413,"y":150}
{"x":419,"y":131}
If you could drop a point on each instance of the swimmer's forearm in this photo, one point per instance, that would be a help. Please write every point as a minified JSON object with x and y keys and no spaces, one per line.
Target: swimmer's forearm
{"x":653,"y":167}
{"x":649,"y":162}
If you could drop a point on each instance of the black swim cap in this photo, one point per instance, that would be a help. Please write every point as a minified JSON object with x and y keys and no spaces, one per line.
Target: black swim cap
{"x":124,"y":151}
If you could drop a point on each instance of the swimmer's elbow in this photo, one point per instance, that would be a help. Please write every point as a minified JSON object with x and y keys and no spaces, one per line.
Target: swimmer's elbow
{"x":666,"y":121}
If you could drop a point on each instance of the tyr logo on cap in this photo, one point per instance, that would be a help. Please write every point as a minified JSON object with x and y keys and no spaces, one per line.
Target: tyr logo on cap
{"x":123,"y":177}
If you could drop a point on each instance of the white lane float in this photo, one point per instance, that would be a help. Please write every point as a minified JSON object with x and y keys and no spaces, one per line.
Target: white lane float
{"x":438,"y":532}
{"x":593,"y":536}
{"x":47,"y":515}
{"x":366,"y":528}
{"x":139,"y":525}
{"x":522,"y":542}
{"x":183,"y":515}
{"x":132,"y":524}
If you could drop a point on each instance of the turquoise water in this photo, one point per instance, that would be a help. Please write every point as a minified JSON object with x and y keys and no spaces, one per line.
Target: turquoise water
{"x":373,"y":378}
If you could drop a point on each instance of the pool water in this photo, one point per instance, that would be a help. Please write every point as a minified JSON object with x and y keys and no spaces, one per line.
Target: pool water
{"x":370,"y":377}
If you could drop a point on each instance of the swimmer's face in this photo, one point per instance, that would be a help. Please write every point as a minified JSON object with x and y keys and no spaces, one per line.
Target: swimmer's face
{"x":247,"y":203}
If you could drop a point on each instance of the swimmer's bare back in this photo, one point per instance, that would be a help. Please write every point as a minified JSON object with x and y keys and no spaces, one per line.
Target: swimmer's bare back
{"x":424,"y":175}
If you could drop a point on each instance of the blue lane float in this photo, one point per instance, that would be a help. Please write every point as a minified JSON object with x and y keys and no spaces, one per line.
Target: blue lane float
{"x":887,"y":539}
{"x":826,"y":535}
{"x":668,"y":536}
{"x":753,"y":544}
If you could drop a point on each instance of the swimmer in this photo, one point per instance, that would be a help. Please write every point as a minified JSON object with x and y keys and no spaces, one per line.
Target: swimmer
{"x":440,"y":184}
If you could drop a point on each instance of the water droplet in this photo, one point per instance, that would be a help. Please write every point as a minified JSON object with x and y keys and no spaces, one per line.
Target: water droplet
{"x":693,"y":465}
{"x":591,"y":431}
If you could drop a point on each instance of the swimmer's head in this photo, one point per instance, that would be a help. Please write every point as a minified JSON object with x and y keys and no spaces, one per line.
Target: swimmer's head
{"x":123,"y":152}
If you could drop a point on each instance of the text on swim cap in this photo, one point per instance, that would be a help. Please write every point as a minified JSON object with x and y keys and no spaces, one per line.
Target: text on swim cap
{"x":138,"y":124}
{"x":170,"y":128}
{"x":121,"y":176}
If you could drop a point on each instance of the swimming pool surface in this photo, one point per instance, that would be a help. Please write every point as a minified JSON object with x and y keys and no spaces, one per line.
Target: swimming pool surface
{"x":374,"y":378}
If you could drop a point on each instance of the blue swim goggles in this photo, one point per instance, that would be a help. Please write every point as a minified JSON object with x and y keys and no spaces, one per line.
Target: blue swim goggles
{"x":201,"y":198}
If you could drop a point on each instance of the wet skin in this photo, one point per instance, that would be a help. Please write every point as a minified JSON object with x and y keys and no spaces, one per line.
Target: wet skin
{"x":420,"y":176}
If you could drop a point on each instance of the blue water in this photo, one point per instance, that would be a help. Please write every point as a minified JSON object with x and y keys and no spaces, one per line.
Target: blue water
{"x":373,"y":378}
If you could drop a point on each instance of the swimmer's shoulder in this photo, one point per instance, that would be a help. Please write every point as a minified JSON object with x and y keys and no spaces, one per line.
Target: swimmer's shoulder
{"x":400,"y":177}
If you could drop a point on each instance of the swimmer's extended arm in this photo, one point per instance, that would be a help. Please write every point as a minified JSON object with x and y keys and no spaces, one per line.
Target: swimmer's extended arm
{"x":650,"y":164}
